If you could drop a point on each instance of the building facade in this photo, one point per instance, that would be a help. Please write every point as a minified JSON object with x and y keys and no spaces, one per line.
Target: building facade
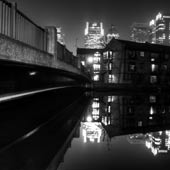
{"x":140,"y":32}
{"x":94,"y":35}
{"x":136,"y":64}
{"x":160,"y":27}
{"x":91,"y":59}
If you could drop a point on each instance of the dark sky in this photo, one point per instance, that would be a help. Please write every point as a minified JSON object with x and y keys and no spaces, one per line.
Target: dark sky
{"x":72,"y":15}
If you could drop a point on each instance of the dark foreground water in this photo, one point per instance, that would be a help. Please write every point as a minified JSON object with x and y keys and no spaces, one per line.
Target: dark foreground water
{"x":104,"y":132}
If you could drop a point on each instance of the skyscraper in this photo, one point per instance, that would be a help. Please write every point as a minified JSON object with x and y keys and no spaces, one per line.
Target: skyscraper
{"x":140,"y":32}
{"x":94,"y":35}
{"x":112,"y":33}
{"x":160,"y":29}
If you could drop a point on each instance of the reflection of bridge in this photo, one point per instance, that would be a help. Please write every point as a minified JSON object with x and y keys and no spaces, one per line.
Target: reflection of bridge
{"x":31,"y":57}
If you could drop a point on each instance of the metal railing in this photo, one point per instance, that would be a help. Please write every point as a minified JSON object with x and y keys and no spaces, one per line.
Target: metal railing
{"x":14,"y":24}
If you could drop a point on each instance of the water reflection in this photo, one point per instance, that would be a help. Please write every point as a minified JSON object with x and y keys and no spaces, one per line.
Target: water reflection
{"x":134,"y":128}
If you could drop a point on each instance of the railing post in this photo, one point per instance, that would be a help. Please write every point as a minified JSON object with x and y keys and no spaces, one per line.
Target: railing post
{"x":13,"y":19}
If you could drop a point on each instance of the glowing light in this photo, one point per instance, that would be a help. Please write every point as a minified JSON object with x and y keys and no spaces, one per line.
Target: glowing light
{"x":152,"y":22}
{"x":159,"y":16}
{"x":86,"y":29}
{"x":83,"y":63}
{"x":32,"y":73}
{"x":89,"y":119}
{"x":151,"y":111}
{"x":92,"y":131}
{"x":90,"y":59}
{"x":96,"y":77}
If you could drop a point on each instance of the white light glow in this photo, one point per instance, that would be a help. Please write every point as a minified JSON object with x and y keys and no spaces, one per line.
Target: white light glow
{"x":89,"y":119}
{"x":90,"y":59}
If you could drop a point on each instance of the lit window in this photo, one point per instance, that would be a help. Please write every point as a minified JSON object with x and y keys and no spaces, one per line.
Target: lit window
{"x":96,"y":60}
{"x":112,"y":78}
{"x":83,"y":63}
{"x":96,"y":67}
{"x":96,"y":77}
{"x":110,"y":66}
{"x":152,"y":99}
{"x":95,"y":105}
{"x":153,"y":79}
{"x":154,"y":67}
{"x":142,"y":53}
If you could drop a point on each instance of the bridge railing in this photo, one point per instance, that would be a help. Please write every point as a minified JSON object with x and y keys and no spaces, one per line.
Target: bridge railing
{"x":15,"y":24}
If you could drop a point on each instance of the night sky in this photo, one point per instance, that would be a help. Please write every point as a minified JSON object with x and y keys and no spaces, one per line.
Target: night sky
{"x":72,"y":15}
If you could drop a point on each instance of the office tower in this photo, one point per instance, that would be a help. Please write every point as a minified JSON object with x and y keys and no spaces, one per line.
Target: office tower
{"x":94,"y":35}
{"x":160,"y":27}
{"x":140,"y":32}
{"x":112,"y":33}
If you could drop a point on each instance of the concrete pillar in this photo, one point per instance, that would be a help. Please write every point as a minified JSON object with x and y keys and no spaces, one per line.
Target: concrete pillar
{"x":52,"y":40}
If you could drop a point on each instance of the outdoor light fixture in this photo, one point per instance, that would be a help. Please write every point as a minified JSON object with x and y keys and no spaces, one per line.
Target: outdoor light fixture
{"x":90,"y":59}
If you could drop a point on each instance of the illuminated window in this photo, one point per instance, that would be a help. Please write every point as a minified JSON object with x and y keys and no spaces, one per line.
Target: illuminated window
{"x":110,"y":66}
{"x":154,"y":67}
{"x":111,"y":98}
{"x":96,"y":67}
{"x":95,"y":105}
{"x":112,"y":78}
{"x":152,"y":99}
{"x":96,"y":77}
{"x":96,"y":60}
{"x":142,"y":53}
{"x":153,"y":79}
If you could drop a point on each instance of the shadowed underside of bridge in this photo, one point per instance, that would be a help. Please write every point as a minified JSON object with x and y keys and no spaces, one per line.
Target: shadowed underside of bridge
{"x":23,"y":67}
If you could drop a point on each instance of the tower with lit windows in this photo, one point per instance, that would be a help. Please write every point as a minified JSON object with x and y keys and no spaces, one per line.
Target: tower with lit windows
{"x":94,"y":35}
{"x":140,"y":32}
{"x":160,"y":27}
{"x":112,"y":33}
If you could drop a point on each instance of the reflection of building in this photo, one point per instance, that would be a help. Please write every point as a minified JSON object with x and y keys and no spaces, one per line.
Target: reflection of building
{"x":158,"y":142}
{"x":94,"y":35}
{"x":112,"y":33}
{"x":160,"y":29}
{"x":91,"y":131}
{"x":140,"y":32}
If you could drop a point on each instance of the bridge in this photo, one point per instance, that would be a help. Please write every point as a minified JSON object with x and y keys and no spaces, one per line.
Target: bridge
{"x":30,"y":56}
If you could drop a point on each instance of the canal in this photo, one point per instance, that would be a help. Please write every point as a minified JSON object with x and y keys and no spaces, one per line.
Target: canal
{"x":77,"y":130}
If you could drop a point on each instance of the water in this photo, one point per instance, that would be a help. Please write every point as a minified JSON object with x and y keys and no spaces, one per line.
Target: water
{"x":122,"y":132}
{"x":102,"y":131}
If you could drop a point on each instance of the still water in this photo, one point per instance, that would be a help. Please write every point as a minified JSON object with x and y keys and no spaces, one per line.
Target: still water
{"x":100,"y":131}
{"x":122,"y":132}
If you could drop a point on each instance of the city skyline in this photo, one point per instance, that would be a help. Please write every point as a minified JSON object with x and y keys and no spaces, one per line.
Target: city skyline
{"x":73,"y":16}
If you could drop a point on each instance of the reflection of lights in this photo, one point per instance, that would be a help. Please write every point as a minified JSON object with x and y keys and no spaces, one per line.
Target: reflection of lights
{"x":95,"y":105}
{"x":154,"y":151}
{"x":151,"y":111}
{"x":83,"y":63}
{"x":91,"y":131}
{"x":32,"y":73}
{"x":148,"y":144}
{"x":95,"y":117}
{"x":150,"y":118}
{"x":95,"y":112}
{"x":89,"y":118}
